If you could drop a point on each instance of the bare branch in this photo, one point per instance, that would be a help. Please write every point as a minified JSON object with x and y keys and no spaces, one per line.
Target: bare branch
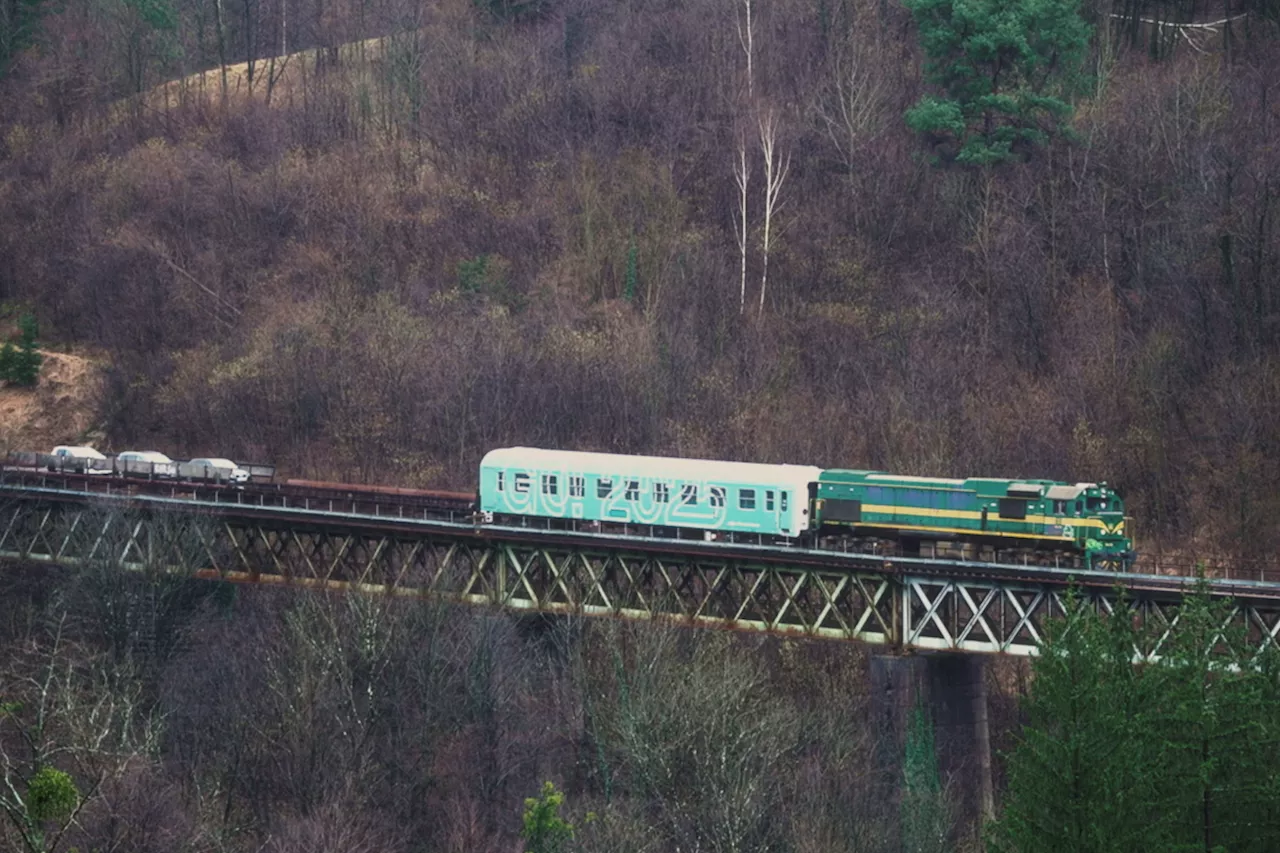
{"x":859,"y":103}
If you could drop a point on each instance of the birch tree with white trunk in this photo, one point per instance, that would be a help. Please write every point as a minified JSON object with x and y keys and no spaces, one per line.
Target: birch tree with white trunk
{"x":742,"y":175}
{"x":776,"y":166}
{"x":746,"y":38}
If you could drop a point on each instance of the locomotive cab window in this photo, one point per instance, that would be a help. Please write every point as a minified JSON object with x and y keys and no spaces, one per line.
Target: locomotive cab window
{"x":746,"y":499}
{"x":604,"y":488}
{"x":550,"y":484}
{"x":1013,"y":508}
{"x":521,"y":483}
{"x":577,"y":486}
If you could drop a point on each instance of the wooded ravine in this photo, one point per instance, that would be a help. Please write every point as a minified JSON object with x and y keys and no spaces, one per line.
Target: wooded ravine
{"x":370,"y":240}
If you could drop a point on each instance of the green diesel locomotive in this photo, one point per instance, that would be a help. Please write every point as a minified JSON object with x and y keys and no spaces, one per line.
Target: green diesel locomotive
{"x":979,"y":518}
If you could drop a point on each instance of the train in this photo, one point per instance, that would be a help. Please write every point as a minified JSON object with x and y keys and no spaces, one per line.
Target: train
{"x":1045,"y":522}
{"x":1026,"y":520}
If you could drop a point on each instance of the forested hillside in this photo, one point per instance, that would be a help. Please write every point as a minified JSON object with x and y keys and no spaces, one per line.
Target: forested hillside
{"x":372,"y":239}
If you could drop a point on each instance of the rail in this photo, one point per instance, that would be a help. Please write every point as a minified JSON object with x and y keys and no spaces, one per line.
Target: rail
{"x":910,"y":603}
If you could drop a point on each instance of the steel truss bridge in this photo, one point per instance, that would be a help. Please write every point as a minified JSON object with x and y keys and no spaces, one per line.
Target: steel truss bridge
{"x":384,"y":548}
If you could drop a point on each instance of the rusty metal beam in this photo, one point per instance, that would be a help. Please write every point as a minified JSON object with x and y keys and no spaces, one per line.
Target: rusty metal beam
{"x":909,"y":604}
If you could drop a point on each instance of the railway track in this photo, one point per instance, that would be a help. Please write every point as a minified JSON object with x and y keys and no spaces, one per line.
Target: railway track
{"x":393,"y":502}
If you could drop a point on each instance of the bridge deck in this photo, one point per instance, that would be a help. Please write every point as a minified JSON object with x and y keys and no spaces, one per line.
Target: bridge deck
{"x":264,"y":536}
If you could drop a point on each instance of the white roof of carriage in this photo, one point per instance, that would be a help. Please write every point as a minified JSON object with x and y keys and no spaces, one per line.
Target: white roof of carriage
{"x":668,"y":467}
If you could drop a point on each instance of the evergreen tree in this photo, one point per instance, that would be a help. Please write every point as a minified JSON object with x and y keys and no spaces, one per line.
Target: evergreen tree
{"x":1177,"y":755}
{"x":24,"y":364}
{"x":925,"y":813}
{"x":632,"y":274}
{"x":19,"y":25}
{"x":8,"y":357}
{"x":544,"y":830}
{"x":1000,"y":65}
{"x":1215,"y":719}
{"x":1078,"y":777}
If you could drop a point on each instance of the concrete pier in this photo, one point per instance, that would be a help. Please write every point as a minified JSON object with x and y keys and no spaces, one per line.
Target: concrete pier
{"x":952,"y":689}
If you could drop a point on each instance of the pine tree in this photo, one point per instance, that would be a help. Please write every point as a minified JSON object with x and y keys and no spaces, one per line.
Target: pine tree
{"x":1218,"y":744}
{"x":1077,"y":778}
{"x":22,"y":366}
{"x":8,"y":356}
{"x":1001,"y":66}
{"x":1176,"y":755}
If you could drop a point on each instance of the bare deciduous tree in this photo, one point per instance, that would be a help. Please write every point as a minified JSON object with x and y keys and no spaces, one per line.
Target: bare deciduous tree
{"x":692,"y":725}
{"x":856,"y":102}
{"x":746,"y":38}
{"x":69,"y":716}
{"x":742,"y":176}
{"x":776,"y":166}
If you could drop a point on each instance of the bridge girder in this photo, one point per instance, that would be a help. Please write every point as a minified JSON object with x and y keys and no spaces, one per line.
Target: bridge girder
{"x":907,"y":604}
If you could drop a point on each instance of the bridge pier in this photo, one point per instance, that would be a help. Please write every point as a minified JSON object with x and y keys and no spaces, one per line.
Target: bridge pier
{"x":952,"y":689}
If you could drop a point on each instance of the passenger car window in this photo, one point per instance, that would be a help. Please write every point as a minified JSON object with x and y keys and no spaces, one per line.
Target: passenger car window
{"x":746,"y":499}
{"x":521,"y":483}
{"x":502,"y":476}
{"x":689,"y":494}
{"x":661,"y":492}
{"x":633,"y":490}
{"x":577,"y":486}
{"x":768,"y":500}
{"x":717,"y":496}
{"x":550,"y":484}
{"x":604,"y":488}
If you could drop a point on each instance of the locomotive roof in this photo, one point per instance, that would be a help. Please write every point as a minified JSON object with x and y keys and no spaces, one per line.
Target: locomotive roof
{"x":1051,"y":489}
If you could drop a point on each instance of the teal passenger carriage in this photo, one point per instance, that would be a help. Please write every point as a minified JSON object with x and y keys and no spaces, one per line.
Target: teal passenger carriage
{"x":663,"y":493}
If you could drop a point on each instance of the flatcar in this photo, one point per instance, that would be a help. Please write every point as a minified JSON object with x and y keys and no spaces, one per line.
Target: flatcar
{"x":668,"y":496}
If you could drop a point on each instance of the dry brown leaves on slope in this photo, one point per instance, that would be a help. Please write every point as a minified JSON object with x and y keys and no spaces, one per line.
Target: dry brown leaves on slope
{"x":61,"y":409}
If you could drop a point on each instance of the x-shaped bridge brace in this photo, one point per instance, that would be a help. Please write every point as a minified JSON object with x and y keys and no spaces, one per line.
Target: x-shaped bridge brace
{"x":912,"y":604}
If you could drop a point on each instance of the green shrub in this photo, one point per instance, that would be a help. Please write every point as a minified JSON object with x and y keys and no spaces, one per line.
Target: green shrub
{"x":51,"y":795}
{"x":544,"y":830}
{"x":21,"y":365}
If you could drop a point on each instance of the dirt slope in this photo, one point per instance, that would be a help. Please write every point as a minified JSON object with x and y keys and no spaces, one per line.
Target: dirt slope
{"x":61,"y":409}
